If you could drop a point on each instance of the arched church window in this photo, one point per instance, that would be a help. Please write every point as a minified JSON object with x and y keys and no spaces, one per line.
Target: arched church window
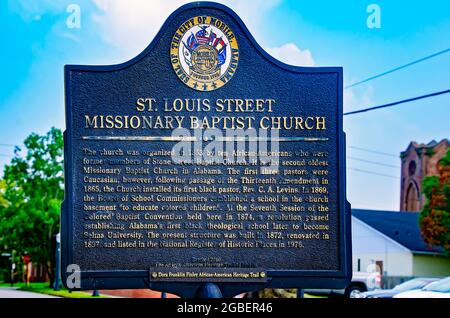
{"x":412,"y":168}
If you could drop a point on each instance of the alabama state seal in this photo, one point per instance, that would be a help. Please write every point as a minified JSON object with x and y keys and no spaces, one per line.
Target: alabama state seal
{"x":204,"y":53}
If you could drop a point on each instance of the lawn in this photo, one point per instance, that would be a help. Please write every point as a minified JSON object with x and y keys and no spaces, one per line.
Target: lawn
{"x":43,"y":288}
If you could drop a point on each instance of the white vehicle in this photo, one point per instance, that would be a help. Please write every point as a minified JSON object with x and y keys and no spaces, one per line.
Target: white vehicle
{"x":439,"y":289}
{"x":412,"y":284}
{"x":361,"y":282}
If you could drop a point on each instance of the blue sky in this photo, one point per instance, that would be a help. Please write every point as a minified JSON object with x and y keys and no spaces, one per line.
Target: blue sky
{"x":36,"y":43}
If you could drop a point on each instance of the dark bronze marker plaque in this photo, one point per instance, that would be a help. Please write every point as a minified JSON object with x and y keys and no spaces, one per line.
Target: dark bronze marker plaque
{"x":204,"y":159}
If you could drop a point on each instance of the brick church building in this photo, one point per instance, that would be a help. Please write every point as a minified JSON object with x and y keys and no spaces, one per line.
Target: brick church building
{"x":419,"y":161}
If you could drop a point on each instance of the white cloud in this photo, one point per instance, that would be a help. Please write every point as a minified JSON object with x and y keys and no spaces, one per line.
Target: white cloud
{"x":33,"y":10}
{"x":354,"y":100}
{"x":131,"y":25}
{"x":290,"y":53}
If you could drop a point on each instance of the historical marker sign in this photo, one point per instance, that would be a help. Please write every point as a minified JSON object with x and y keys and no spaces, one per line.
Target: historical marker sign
{"x":203,"y":159}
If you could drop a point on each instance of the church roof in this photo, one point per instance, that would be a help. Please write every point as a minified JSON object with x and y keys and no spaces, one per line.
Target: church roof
{"x":433,"y":143}
{"x":402,"y":227}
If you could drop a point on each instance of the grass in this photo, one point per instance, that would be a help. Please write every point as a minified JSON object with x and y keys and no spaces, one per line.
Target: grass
{"x":43,"y":288}
{"x":313,"y":296}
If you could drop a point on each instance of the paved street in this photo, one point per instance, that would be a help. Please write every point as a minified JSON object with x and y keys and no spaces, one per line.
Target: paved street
{"x":12,"y":292}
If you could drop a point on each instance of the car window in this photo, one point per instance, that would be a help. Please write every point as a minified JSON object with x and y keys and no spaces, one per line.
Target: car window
{"x":442,"y":286}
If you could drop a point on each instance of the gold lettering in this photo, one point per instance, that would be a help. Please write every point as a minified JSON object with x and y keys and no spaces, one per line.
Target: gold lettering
{"x":320,"y":123}
{"x":90,"y":122}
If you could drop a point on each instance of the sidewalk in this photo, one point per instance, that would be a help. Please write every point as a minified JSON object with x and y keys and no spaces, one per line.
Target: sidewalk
{"x":12,"y":292}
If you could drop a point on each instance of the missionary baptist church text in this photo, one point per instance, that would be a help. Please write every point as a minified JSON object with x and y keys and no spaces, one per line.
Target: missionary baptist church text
{"x":244,"y":108}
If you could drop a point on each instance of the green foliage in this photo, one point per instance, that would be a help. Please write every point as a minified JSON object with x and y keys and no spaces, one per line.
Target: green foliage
{"x":428,"y":184}
{"x":445,"y":161}
{"x":430,"y":152}
{"x":31,"y":192}
{"x":435,"y":215}
{"x":3,"y":201}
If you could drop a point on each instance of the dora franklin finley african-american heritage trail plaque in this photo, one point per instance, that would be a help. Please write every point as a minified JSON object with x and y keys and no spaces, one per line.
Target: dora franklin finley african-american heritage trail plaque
{"x":205,"y":160}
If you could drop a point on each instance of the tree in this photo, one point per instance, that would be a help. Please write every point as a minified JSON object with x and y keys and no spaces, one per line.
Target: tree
{"x":435,"y":215}
{"x":31,"y":196}
{"x":3,"y":201}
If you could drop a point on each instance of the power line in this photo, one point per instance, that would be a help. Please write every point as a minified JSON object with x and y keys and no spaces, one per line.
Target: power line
{"x":3,"y":155}
{"x":373,"y":162}
{"x":374,"y":173}
{"x":374,"y":151}
{"x":399,"y":68}
{"x":398,"y":102}
{"x":7,"y":145}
